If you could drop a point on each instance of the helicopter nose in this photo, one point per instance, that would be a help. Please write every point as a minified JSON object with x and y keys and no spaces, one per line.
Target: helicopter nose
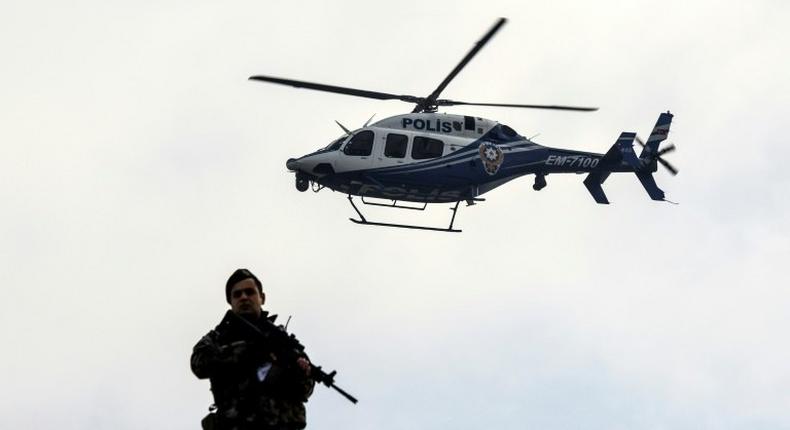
{"x":292,"y":164}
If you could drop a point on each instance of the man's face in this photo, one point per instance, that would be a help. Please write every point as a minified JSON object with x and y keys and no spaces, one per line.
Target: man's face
{"x":245,"y":300}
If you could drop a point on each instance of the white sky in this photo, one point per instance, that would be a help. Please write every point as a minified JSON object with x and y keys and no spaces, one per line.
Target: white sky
{"x":139,"y":167}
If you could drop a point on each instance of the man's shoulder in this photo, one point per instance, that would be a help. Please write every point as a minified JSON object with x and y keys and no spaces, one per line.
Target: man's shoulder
{"x":220,"y":331}
{"x":210,"y":338}
{"x":266,"y":320}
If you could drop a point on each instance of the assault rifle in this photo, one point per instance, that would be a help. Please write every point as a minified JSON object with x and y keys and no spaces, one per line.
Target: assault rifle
{"x":290,"y":349}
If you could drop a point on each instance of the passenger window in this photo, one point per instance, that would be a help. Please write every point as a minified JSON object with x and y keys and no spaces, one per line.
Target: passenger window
{"x":425,"y":147}
{"x":396,"y":146}
{"x":361,"y":144}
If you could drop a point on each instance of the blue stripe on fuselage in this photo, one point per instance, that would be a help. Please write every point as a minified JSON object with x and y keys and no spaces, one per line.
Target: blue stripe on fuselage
{"x":456,"y":176}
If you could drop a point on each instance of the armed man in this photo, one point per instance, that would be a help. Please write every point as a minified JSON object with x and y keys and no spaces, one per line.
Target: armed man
{"x":260,"y":377}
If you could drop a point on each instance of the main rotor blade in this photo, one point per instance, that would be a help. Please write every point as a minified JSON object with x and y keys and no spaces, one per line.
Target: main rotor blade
{"x":336,"y":89}
{"x":478,"y":46}
{"x":445,"y":102}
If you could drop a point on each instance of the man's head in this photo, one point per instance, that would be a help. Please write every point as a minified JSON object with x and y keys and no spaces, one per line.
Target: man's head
{"x":244,"y":293}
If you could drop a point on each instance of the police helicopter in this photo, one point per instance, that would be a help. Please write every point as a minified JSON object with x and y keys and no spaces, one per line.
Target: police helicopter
{"x":426,"y":157}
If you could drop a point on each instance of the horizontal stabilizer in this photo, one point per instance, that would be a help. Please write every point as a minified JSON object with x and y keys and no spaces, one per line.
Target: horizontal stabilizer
{"x":626,"y":147}
{"x":616,"y":153}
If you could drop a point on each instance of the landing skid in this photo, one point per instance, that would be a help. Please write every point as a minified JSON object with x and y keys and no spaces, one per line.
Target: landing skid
{"x":364,"y":221}
{"x":394,"y":204}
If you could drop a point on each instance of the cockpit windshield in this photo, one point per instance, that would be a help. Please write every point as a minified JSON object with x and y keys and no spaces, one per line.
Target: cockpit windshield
{"x":335,"y":145}
{"x":509,"y":132}
{"x":504,"y":133}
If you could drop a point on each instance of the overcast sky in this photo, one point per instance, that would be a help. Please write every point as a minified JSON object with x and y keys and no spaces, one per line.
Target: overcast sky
{"x":139,"y":168}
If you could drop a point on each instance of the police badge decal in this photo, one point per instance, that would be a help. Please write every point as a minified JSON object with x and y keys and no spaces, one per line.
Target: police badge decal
{"x":492,"y":157}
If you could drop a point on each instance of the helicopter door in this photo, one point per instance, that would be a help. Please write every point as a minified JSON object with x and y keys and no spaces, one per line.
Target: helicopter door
{"x":357,"y":152}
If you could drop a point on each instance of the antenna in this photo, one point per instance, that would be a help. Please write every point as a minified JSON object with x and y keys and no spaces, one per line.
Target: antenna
{"x":343,"y":127}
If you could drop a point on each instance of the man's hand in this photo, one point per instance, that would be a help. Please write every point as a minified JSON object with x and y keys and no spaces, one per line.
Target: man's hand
{"x":304,"y":364}
{"x":235,"y":352}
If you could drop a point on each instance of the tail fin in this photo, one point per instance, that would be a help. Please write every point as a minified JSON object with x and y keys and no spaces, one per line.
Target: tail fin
{"x":646,"y":178}
{"x":650,"y":153}
{"x":658,"y":135}
{"x":622,"y":150}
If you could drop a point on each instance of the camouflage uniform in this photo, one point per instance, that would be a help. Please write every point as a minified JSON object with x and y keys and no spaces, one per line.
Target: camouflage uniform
{"x":234,"y":363}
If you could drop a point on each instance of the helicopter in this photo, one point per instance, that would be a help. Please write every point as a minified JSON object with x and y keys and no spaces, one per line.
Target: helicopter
{"x":426,"y":157}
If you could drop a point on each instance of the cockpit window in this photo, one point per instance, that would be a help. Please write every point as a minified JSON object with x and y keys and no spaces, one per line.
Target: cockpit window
{"x":335,"y":145}
{"x":361,"y":144}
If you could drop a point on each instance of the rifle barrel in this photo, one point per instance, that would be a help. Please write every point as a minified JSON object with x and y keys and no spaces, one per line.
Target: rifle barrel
{"x":350,"y":398}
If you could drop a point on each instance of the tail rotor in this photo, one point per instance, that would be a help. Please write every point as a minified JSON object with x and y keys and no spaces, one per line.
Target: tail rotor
{"x":658,"y":155}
